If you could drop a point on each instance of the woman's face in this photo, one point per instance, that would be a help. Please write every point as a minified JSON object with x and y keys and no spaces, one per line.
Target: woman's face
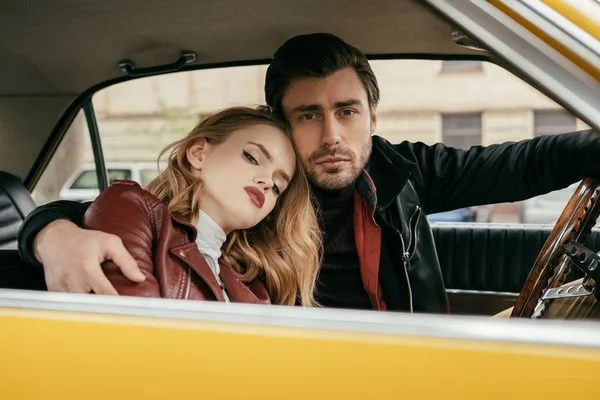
{"x":243,"y":176}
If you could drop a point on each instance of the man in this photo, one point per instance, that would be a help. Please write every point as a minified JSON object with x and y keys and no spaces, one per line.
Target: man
{"x":379,"y":250}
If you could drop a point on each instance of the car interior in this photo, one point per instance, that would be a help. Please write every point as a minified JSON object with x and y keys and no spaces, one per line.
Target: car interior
{"x":57,"y":54}
{"x":15,"y":204}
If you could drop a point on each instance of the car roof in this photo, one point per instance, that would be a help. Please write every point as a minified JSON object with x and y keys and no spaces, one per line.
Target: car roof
{"x":52,"y":51}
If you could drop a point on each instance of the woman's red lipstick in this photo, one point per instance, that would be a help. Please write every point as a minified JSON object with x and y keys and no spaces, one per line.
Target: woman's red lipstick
{"x":256,"y":195}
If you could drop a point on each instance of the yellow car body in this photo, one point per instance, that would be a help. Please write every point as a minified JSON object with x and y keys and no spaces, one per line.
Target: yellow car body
{"x":140,"y":348}
{"x":69,"y":346}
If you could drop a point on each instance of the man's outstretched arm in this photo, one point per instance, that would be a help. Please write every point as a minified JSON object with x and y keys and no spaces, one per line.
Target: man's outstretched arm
{"x":513,"y":171}
{"x":71,"y":256}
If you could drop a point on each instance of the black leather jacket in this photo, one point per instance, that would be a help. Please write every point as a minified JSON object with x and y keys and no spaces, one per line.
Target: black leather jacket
{"x":413,"y":180}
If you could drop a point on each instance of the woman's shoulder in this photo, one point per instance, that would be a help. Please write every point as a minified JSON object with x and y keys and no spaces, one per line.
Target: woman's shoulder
{"x":130,"y":193}
{"x":128,"y":199}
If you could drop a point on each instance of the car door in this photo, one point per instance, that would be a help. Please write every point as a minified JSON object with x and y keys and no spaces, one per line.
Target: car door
{"x":78,"y":345}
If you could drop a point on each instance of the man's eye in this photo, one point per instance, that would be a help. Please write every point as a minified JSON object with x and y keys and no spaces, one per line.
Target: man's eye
{"x":250,"y":158}
{"x":348,"y":113}
{"x":308,"y":117}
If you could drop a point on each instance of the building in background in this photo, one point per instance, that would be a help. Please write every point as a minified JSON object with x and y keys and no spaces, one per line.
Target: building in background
{"x":459,"y":103}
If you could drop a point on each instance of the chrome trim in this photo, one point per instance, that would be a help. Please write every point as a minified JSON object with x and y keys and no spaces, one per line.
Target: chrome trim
{"x":500,"y":225}
{"x":539,"y":309}
{"x":189,"y":283}
{"x":571,"y":290}
{"x":591,"y":8}
{"x":482,"y":292}
{"x":543,"y":66}
{"x":540,"y":332}
{"x":560,"y":28}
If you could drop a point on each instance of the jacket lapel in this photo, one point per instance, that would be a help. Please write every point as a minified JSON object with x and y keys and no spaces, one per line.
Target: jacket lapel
{"x":190,"y":255}
{"x":389,"y":172}
{"x":236,"y":288}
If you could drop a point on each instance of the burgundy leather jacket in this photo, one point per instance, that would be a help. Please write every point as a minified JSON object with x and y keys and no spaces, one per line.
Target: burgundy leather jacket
{"x":164,"y":247}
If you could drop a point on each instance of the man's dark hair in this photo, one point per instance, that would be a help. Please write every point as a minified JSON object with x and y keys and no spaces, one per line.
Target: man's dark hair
{"x":316,"y":55}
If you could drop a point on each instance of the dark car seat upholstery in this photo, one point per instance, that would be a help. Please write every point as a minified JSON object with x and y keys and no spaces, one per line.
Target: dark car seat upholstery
{"x":15,"y":204}
{"x":16,"y":274}
{"x":493,"y":257}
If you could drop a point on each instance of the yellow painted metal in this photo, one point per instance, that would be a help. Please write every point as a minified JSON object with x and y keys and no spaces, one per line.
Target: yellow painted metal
{"x":504,"y":6}
{"x":65,"y":355}
{"x":571,"y":10}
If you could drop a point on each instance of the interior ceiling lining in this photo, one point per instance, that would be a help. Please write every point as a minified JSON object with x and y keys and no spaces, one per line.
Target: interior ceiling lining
{"x":54,"y":50}
{"x":67,"y":46}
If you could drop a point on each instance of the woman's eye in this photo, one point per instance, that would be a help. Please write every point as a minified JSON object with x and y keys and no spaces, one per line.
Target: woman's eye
{"x":250,"y":158}
{"x":276,"y":190}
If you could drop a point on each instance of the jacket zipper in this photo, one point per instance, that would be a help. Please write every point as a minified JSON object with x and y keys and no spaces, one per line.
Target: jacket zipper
{"x":189,"y":283}
{"x":412,"y":247}
{"x":188,"y":286}
{"x":405,"y":258}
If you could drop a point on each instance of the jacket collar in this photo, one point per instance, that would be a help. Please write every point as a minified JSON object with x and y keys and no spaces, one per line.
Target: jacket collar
{"x":385,"y":174}
{"x":187,"y":225}
{"x":234,"y":282}
{"x":189,"y":254}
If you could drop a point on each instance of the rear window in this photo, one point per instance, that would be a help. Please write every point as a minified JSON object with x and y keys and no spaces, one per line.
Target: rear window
{"x":147,"y":176}
{"x":89,"y":180}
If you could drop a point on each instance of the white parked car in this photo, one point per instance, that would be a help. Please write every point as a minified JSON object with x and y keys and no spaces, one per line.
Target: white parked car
{"x":83,"y":184}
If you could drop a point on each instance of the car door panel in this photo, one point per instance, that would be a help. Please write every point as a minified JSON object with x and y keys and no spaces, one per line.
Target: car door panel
{"x":490,"y":262}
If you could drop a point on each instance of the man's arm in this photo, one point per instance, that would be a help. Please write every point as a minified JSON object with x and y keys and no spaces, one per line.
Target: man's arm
{"x":42,"y":216}
{"x":71,"y":256}
{"x":451,"y":178}
{"x":122,"y":210}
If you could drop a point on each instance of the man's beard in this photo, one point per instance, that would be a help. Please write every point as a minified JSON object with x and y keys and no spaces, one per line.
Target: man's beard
{"x":334,"y":179}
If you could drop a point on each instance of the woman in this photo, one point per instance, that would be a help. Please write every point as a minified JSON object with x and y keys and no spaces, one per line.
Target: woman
{"x":229,"y":219}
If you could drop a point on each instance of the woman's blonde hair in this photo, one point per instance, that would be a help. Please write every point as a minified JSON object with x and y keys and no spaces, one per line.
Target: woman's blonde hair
{"x":284,"y":249}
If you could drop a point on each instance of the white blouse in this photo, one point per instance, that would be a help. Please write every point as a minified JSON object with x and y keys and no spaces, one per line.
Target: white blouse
{"x":210,"y":240}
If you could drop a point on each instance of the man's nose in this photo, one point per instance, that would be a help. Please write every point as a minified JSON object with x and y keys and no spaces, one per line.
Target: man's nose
{"x":331,"y":132}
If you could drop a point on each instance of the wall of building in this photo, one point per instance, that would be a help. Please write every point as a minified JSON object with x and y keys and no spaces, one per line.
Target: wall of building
{"x":141,"y":114}
{"x":138,"y":118}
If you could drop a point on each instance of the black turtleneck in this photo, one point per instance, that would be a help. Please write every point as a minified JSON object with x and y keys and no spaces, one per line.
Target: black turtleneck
{"x":339,"y":284}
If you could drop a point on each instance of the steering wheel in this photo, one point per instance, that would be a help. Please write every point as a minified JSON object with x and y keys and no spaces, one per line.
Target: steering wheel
{"x":551,"y":266}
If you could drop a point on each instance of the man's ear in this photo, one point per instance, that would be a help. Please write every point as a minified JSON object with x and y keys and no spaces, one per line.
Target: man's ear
{"x":195,"y":155}
{"x":373,"y":121}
